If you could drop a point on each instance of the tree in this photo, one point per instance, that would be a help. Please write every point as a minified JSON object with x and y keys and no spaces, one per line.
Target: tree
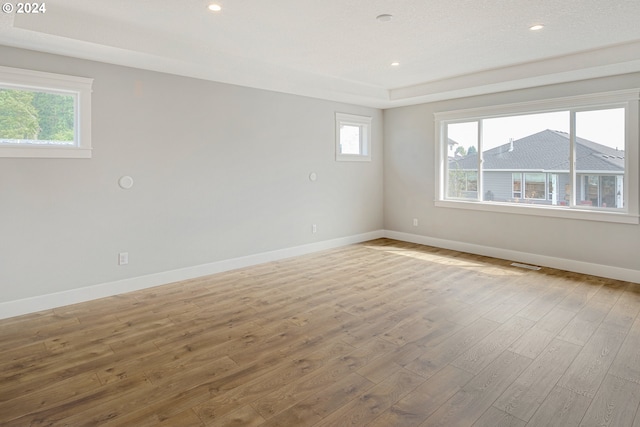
{"x":460,"y":151}
{"x":56,"y":116}
{"x":18,"y":116}
{"x":472,"y":150}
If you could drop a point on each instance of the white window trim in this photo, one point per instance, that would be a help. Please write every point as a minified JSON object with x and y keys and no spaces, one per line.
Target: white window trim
{"x":630,"y":99}
{"x":79,"y":87}
{"x":365,"y":123}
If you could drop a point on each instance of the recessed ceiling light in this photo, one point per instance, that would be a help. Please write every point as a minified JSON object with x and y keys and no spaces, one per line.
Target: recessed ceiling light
{"x":385,"y":17}
{"x":215,"y":7}
{"x":395,"y":64}
{"x":536,"y":27}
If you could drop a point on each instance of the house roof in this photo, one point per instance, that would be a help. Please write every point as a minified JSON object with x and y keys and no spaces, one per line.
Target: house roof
{"x":547,"y":150}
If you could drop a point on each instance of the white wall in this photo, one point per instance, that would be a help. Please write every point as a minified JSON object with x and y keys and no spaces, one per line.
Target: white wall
{"x":220,"y":172}
{"x":410,"y":193}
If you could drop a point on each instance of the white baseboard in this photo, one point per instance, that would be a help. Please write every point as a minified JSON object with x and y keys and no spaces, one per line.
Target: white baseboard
{"x":525,"y":257}
{"x":74,"y":296}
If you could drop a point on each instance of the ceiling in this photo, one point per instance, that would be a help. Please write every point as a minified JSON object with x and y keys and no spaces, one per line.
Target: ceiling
{"x":337,"y":50}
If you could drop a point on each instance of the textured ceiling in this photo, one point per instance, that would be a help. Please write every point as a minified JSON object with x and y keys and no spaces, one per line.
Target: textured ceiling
{"x":336,"y":49}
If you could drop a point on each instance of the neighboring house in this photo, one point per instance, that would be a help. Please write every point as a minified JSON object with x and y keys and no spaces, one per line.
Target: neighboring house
{"x":452,"y":145}
{"x":535,"y":169}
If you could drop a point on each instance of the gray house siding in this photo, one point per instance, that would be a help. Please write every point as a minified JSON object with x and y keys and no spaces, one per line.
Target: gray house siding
{"x":499,"y":184}
{"x":564,"y":192}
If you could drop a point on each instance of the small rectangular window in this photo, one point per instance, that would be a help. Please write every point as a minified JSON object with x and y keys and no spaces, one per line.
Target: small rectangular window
{"x":44,"y":114}
{"x":353,"y":137}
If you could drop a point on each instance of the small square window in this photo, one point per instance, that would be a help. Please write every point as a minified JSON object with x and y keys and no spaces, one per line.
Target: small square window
{"x":353,"y":137}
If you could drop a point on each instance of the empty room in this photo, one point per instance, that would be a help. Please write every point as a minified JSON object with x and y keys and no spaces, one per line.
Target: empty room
{"x":339,"y":213}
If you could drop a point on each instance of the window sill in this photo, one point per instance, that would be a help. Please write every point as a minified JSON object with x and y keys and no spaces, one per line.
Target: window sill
{"x":538,"y":210}
{"x":352,"y":158}
{"x":39,"y":151}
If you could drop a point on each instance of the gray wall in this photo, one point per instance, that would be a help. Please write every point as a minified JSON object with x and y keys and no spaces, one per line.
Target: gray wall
{"x":410,"y":189}
{"x":220,"y":172}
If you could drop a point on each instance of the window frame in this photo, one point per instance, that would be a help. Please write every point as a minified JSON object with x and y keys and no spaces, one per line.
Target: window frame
{"x":364,"y":123}
{"x":627,"y":99}
{"x":78,"y":87}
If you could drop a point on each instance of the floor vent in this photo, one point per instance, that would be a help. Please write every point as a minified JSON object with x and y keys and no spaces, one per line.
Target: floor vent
{"x":527,"y":266}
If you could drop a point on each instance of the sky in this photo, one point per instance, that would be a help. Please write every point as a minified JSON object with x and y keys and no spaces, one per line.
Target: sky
{"x":605,"y":127}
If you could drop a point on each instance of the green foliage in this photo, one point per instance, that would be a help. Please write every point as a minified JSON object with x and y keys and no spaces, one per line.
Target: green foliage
{"x":457,"y":181}
{"x":55,"y":114}
{"x":18,"y":116}
{"x":62,"y":135}
{"x":36,"y":116}
{"x":461,"y":183}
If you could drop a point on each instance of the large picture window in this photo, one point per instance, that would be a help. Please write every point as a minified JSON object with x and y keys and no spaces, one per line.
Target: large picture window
{"x":565,"y":157}
{"x":44,"y":114}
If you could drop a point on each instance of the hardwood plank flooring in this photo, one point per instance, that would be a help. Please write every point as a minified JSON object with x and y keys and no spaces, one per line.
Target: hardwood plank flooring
{"x":561,"y":408}
{"x":529,"y":390}
{"x":382,"y":333}
{"x":496,"y":418}
{"x":614,"y":403}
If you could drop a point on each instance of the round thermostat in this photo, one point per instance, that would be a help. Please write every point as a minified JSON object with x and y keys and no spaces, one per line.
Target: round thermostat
{"x":125,"y":182}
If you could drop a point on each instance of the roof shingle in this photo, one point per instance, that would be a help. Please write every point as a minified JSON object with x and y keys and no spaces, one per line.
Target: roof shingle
{"x":547,"y":150}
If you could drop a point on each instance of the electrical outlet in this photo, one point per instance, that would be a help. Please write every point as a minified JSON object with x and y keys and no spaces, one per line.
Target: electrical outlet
{"x":415,"y":222}
{"x":123,"y":258}
{"x":314,"y":228}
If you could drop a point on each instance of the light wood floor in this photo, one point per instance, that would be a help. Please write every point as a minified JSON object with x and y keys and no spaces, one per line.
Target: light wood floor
{"x":382,"y":333}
